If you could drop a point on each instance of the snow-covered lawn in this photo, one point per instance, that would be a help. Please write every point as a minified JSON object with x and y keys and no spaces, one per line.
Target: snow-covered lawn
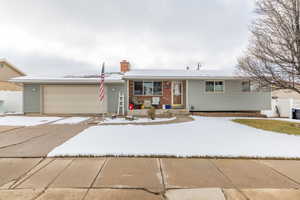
{"x":72,"y":120}
{"x":206,"y":136}
{"x":25,"y":121}
{"x":138,"y":120}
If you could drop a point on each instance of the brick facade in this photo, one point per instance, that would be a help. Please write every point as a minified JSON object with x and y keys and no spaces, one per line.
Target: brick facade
{"x":166,"y":97}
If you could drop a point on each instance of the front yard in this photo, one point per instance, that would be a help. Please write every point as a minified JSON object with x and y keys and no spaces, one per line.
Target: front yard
{"x":272,"y":125}
{"x":205,"y":136}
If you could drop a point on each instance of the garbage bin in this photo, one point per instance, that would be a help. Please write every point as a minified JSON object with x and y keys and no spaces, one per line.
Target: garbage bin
{"x":168,"y":106}
{"x":296,"y":113}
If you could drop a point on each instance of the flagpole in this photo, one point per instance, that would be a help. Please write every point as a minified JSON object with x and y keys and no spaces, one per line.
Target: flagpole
{"x":103,"y":64}
{"x":102,"y":88}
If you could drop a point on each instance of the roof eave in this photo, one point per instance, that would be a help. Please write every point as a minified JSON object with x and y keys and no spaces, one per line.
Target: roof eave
{"x":41,"y":81}
{"x":185,"y":77}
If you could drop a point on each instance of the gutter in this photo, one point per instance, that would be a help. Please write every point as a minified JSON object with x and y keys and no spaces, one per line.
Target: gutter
{"x":65,"y":80}
{"x":185,"y":77}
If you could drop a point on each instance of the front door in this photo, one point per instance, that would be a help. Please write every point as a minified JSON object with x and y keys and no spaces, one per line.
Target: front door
{"x":177,"y":90}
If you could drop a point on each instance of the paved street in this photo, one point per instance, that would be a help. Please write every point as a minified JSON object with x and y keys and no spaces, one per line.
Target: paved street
{"x":148,"y":178}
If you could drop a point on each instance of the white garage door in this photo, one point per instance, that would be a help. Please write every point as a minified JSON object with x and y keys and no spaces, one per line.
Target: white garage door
{"x":72,"y":99}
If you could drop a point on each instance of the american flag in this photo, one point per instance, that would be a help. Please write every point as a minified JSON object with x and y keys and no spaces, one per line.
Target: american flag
{"x":101,"y":88}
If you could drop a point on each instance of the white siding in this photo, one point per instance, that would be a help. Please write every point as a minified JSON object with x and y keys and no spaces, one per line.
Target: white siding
{"x":232,"y":99}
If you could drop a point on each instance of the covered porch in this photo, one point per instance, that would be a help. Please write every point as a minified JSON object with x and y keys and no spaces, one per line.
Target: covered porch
{"x":166,"y":96}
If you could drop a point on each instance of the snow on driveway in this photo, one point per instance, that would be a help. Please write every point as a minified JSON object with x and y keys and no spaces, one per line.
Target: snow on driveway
{"x":206,"y":136}
{"x":72,"y":120}
{"x":25,"y":121}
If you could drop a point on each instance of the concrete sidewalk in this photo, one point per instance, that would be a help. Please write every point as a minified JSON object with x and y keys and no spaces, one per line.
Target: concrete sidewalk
{"x":148,"y":178}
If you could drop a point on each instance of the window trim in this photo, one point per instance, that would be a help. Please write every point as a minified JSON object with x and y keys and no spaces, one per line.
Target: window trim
{"x":214,"y":92}
{"x":153,"y":95}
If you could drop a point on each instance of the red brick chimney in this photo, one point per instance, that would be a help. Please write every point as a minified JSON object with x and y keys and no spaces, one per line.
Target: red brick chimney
{"x":124,"y":66}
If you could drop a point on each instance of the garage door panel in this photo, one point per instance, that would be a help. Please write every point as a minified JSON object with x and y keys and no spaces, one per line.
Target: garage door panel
{"x":72,"y":99}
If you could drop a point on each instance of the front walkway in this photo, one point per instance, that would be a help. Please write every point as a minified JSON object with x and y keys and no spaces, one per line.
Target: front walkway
{"x":148,"y":179}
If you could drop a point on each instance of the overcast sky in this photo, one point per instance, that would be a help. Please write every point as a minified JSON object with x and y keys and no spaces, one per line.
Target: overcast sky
{"x":74,"y":36}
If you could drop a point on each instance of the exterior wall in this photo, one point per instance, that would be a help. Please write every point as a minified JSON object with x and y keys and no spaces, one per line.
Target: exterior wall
{"x":166,"y":97}
{"x":7,"y":73}
{"x":113,"y":97}
{"x":11,"y":102}
{"x":31,"y":98}
{"x":7,"y":86}
{"x":232,"y":99}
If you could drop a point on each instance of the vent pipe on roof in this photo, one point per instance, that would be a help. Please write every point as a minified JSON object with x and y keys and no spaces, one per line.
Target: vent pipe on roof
{"x":199,"y":66}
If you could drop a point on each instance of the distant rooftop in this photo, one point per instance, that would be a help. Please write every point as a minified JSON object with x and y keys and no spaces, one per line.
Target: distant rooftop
{"x":4,"y":60}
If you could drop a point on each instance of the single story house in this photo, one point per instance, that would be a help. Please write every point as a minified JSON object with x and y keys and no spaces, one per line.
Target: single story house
{"x":182,"y":90}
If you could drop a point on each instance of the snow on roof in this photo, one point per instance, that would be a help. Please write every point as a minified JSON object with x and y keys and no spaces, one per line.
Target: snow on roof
{"x":133,"y":74}
{"x":179,"y":74}
{"x":109,"y":78}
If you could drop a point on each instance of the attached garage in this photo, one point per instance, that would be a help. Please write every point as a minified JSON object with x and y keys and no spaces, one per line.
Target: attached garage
{"x":75,"y":95}
{"x":72,"y":99}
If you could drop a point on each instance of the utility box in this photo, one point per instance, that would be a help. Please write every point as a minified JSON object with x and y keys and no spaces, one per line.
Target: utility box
{"x":296,"y":113}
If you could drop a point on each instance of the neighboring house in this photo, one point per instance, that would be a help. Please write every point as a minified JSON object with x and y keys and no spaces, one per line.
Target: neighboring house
{"x":285,"y":94}
{"x":10,"y":93}
{"x":8,"y":71}
{"x":180,"y":90}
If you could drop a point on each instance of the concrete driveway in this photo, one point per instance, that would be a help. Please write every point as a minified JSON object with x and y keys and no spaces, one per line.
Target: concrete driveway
{"x":148,"y":178}
{"x":35,"y":141}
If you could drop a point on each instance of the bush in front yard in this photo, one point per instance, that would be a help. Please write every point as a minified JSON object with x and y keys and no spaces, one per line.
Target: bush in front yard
{"x":152,"y":113}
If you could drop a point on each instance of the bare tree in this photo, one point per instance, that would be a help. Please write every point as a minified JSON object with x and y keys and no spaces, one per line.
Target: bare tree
{"x":273,"y":55}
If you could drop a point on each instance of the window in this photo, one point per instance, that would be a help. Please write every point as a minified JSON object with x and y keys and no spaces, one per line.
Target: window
{"x":209,"y":86}
{"x":219,"y":86}
{"x":138,"y":88}
{"x":147,"y":88}
{"x":157,"y":88}
{"x":214,"y":86}
{"x":246,"y":86}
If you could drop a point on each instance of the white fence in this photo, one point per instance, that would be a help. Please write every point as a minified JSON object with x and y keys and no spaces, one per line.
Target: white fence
{"x":12,"y":101}
{"x":282,"y":108}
